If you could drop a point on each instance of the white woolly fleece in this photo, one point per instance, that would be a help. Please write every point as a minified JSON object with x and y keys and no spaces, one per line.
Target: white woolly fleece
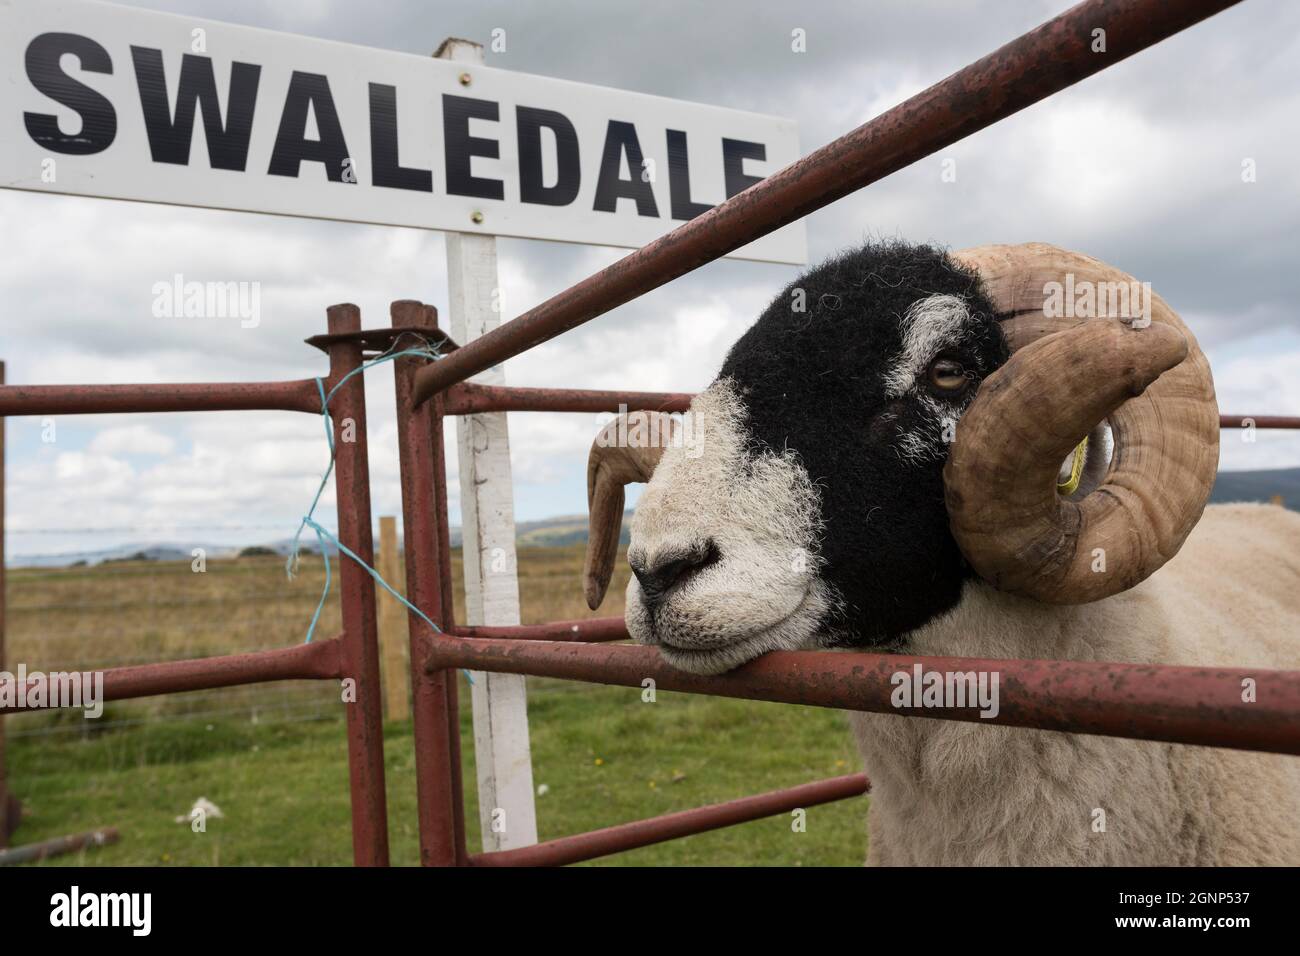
{"x":957,"y":793}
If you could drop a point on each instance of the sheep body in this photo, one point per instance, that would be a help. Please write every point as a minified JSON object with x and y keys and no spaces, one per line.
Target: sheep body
{"x":949,"y":792}
{"x":817,"y":511}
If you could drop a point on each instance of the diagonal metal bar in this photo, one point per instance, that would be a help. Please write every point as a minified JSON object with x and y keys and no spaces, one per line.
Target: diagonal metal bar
{"x":674,"y":826}
{"x":1046,"y":60}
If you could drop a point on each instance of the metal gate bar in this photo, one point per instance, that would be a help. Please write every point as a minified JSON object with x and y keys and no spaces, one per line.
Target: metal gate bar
{"x":320,"y":660}
{"x":1044,"y":61}
{"x":468,"y":398}
{"x":434,"y":705}
{"x":1177,"y":704}
{"x":591,"y":630}
{"x":298,"y":396}
{"x":674,"y":826}
{"x":353,"y":655}
{"x":357,"y":593}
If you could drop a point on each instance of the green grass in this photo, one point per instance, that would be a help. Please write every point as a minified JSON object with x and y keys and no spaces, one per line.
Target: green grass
{"x":604,"y":756}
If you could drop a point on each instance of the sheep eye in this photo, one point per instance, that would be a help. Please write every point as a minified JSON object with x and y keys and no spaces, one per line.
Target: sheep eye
{"x":948,"y":376}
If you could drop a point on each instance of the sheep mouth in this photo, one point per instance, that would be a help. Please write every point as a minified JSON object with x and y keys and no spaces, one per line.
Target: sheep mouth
{"x":739,"y":648}
{"x":712,"y":661}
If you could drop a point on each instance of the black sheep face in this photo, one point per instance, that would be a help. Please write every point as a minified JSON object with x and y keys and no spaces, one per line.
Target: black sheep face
{"x":808,"y":508}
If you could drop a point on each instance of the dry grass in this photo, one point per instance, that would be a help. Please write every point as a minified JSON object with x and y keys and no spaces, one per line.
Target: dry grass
{"x":136,"y":612}
{"x":603,"y":754}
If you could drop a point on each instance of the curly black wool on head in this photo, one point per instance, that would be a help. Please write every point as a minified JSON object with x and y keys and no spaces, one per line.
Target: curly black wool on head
{"x":841,"y":369}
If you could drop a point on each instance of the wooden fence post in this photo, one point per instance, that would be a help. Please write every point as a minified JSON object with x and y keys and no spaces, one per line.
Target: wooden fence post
{"x":502,"y":753}
{"x":394,"y":649}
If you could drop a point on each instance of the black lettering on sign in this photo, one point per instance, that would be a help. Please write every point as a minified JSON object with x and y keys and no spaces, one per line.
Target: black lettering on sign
{"x":98,"y":119}
{"x":460,"y":147}
{"x":385,"y":168}
{"x":734,"y":154}
{"x":620,"y":140}
{"x":169,"y":136}
{"x":292,"y":148}
{"x":679,"y":179}
{"x":529,"y":123}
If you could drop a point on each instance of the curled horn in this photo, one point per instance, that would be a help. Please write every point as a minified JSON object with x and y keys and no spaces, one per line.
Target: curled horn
{"x":1151,"y":383}
{"x":625,"y":451}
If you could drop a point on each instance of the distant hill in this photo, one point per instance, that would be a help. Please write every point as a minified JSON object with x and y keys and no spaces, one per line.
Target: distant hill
{"x":568,"y":530}
{"x":546,"y":533}
{"x":153,"y":552}
{"x":125,"y":552}
{"x":1258,"y":486}
{"x":554,"y":532}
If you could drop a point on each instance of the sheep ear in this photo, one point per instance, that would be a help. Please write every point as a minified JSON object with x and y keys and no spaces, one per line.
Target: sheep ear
{"x":626,"y":450}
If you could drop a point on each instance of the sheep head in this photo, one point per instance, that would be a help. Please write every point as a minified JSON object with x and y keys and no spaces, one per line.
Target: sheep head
{"x":857,"y":462}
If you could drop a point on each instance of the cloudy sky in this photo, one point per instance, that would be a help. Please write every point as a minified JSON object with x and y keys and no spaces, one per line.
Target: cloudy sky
{"x":1140,"y":166}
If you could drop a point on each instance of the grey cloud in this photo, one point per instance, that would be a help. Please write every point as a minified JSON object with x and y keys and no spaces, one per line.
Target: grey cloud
{"x":1164,"y":201}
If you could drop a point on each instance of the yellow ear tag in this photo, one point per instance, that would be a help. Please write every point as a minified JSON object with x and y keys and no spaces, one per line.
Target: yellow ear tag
{"x":1071,"y":484}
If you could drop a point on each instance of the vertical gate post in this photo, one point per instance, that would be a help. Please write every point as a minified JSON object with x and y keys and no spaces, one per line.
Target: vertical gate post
{"x":448,"y":594}
{"x":357,"y":590}
{"x":435,"y":712}
{"x":501,"y":746}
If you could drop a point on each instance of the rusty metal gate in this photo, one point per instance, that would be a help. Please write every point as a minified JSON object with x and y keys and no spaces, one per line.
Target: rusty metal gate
{"x":1186,"y":705}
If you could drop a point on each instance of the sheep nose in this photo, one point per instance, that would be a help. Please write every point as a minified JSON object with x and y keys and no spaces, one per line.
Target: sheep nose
{"x":657,"y":579}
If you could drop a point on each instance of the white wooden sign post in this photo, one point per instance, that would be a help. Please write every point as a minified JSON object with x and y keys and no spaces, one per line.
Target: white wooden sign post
{"x":487,"y":509}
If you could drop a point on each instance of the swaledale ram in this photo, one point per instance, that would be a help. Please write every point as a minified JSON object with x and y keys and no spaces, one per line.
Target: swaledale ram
{"x":881,"y":470}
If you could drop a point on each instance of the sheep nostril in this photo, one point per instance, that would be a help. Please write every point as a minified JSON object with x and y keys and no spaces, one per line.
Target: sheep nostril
{"x":658,"y":579}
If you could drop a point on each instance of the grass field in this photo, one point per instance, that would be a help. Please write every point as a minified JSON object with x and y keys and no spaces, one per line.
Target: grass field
{"x":273,"y":758}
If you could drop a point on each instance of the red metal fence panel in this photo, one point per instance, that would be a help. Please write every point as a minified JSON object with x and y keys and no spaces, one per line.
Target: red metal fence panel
{"x":353,"y":656}
{"x":1178,"y":704}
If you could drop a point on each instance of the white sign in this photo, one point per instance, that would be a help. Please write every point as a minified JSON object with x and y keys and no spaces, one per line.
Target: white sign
{"x":111,"y":101}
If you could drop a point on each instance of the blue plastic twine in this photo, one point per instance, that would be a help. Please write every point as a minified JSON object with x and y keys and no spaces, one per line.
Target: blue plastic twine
{"x":309,"y":521}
